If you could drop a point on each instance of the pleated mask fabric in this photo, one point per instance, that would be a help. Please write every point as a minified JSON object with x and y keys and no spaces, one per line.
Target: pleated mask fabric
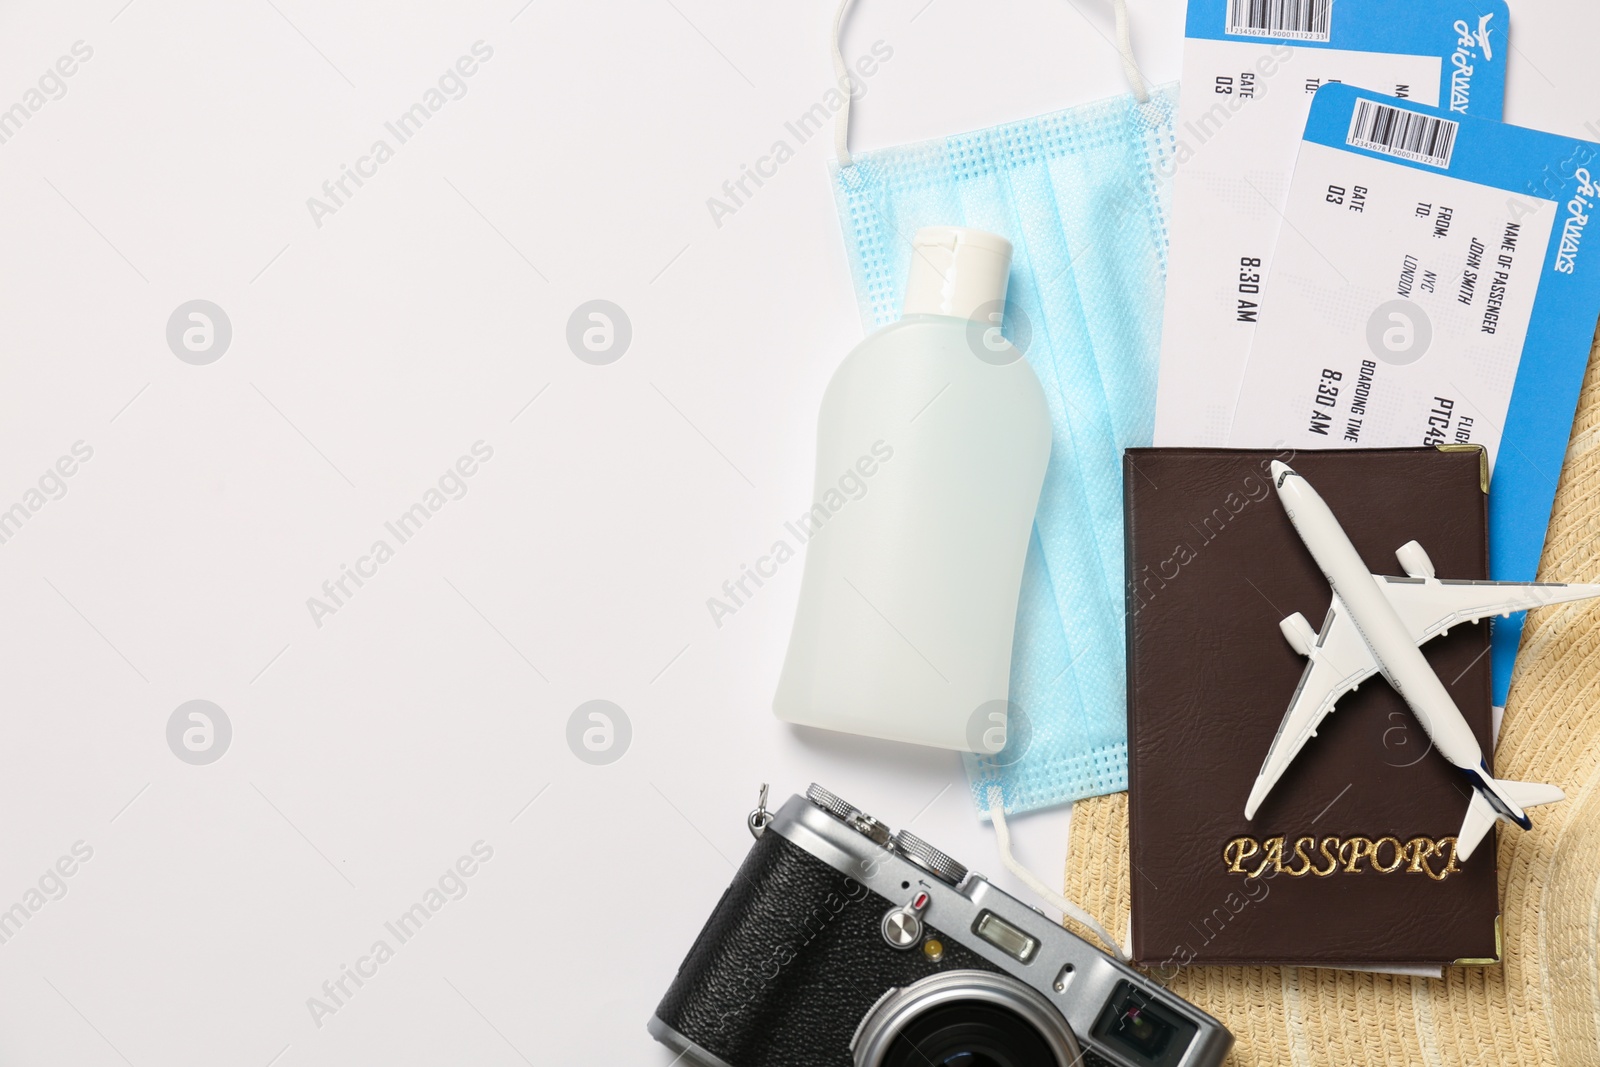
{"x":1083,"y":197}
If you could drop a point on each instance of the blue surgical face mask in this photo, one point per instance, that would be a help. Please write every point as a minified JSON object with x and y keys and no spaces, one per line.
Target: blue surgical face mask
{"x":1083,"y":196}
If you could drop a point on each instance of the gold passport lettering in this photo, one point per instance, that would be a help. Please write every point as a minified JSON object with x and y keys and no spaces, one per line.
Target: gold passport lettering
{"x":1353,"y":851}
{"x":1322,"y":857}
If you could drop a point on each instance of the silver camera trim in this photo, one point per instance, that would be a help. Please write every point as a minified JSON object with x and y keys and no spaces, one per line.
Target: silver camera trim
{"x":955,"y":910}
{"x":899,"y":1007}
{"x":1070,"y":976}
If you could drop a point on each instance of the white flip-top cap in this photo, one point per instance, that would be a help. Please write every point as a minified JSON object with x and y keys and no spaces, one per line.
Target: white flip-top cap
{"x":958,"y":272}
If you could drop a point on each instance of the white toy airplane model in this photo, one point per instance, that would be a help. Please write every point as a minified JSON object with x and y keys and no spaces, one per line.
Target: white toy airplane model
{"x":1375,"y":624}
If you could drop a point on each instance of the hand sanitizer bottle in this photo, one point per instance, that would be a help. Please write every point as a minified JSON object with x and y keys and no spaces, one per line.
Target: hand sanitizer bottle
{"x":931,"y":451}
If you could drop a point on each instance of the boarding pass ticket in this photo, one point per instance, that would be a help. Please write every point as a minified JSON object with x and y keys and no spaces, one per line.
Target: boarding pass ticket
{"x":1250,"y":68}
{"x":1432,"y":286}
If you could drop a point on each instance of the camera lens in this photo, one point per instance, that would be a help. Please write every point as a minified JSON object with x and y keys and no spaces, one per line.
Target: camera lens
{"x":968,"y":1034}
{"x":965,"y":1018}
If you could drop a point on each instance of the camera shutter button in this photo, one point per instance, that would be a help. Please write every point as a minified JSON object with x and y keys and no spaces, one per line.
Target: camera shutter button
{"x":902,"y":926}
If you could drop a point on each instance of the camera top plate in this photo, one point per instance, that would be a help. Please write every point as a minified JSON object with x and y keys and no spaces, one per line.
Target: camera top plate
{"x":1074,"y":976}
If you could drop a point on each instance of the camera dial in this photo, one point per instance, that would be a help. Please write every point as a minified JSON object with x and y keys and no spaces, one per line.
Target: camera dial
{"x":928,"y":858}
{"x":849,"y":814}
{"x":831,"y":803}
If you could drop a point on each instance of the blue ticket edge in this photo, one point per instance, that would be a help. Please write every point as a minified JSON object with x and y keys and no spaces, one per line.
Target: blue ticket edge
{"x":1418,"y":28}
{"x":1555,"y":353}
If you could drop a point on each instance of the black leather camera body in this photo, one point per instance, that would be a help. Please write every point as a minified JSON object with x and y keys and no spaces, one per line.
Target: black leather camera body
{"x":840,"y":944}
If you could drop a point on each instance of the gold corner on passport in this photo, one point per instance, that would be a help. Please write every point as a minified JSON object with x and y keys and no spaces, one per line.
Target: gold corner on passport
{"x":1483,"y":461}
{"x":1499,"y":951}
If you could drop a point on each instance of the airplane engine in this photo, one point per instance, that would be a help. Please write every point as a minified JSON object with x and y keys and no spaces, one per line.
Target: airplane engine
{"x":1302,"y":638}
{"x":1414,"y":561}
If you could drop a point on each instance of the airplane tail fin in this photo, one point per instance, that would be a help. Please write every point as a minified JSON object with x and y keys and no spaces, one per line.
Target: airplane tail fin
{"x":1489,"y":803}
{"x":1530,"y":794}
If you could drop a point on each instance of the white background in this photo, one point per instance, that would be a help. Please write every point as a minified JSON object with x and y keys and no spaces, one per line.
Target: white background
{"x":367,"y":355}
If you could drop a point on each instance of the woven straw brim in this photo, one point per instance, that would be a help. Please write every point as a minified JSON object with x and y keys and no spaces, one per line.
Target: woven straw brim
{"x":1542,"y":1004}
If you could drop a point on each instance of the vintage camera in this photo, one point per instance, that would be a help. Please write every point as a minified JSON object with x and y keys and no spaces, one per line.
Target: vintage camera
{"x":841,"y":943}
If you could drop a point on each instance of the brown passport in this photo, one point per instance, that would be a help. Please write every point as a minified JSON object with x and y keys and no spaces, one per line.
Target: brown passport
{"x":1350,"y":860}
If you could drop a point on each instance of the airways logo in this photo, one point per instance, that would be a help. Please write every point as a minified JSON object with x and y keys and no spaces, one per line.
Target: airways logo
{"x":1469,"y":43}
{"x":1577,"y":219}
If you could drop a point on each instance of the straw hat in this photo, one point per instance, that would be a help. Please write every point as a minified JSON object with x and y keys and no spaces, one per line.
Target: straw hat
{"x":1542,"y":1004}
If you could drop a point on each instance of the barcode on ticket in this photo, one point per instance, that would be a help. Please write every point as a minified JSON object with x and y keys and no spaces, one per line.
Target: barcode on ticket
{"x":1395,"y":131}
{"x":1301,"y":20}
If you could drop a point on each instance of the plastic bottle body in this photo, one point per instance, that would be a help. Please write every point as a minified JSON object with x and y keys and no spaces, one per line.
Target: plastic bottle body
{"x":932,"y":444}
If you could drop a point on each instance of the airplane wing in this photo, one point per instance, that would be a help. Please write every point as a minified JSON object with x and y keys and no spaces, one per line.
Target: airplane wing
{"x":1336,"y":662}
{"x":1338,"y":659}
{"x":1431,"y":606}
{"x":1481,"y":816}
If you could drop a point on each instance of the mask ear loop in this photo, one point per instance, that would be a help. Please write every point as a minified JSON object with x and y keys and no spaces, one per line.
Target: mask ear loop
{"x":997,"y":812}
{"x":841,"y":74}
{"x":1130,"y":69}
